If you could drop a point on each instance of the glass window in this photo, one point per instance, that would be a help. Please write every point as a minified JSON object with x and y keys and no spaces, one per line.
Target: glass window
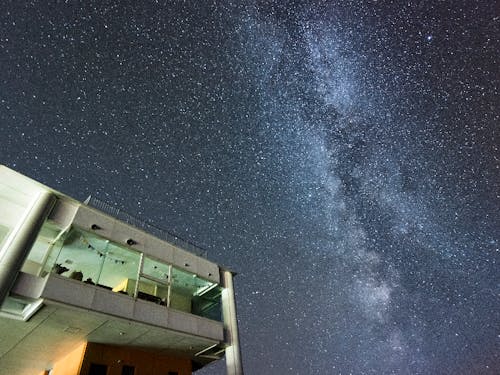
{"x":207,"y":303}
{"x":48,"y":238}
{"x":53,"y":254}
{"x":94,"y":260}
{"x":80,"y":257}
{"x":195,"y":295}
{"x":154,"y":282}
{"x":119,"y":269}
{"x":156,"y":270}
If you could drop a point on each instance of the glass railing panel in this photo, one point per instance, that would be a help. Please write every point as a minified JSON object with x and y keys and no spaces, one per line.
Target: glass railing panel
{"x":156,"y":270}
{"x":151,"y":291}
{"x":195,"y":295}
{"x":49,"y":263}
{"x":154,"y":281}
{"x":81,"y":256}
{"x":207,"y":303}
{"x":119,"y":269}
{"x":94,"y":260}
{"x":48,"y":238}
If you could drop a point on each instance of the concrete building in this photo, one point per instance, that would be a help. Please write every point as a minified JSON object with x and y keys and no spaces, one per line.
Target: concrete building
{"x":83,"y":292}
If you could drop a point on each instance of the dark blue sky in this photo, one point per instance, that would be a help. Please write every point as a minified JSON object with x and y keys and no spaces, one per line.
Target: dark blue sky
{"x":342,"y":158}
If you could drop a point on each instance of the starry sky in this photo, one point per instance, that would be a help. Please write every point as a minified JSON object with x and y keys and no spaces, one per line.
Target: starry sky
{"x":341,"y":156}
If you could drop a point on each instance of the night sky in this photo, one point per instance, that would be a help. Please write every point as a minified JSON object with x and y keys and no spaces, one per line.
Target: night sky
{"x":341,"y":156}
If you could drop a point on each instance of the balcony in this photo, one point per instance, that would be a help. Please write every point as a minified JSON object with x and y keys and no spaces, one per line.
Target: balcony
{"x":79,"y":273}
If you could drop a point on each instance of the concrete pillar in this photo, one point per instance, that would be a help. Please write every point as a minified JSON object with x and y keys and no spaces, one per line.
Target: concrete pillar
{"x":233,"y":353}
{"x":21,"y":239}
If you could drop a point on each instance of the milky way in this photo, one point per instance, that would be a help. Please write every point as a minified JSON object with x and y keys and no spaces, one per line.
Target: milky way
{"x":341,"y":158}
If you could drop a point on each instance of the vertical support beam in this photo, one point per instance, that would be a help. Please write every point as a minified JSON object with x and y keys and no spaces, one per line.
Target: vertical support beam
{"x":20,"y":241}
{"x":169,"y":288}
{"x":139,"y":274}
{"x":233,"y":353}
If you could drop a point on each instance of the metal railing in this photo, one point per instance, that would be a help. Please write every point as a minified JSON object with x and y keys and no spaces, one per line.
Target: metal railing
{"x":147,"y":227}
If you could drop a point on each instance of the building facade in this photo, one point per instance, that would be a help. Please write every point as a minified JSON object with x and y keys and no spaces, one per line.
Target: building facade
{"x":83,"y":292}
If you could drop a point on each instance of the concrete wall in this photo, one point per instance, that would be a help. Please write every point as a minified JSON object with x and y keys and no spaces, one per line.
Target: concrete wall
{"x":119,"y":232}
{"x":75,"y":293}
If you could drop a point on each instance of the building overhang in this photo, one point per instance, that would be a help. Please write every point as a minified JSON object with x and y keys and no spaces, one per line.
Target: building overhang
{"x":74,"y":312}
